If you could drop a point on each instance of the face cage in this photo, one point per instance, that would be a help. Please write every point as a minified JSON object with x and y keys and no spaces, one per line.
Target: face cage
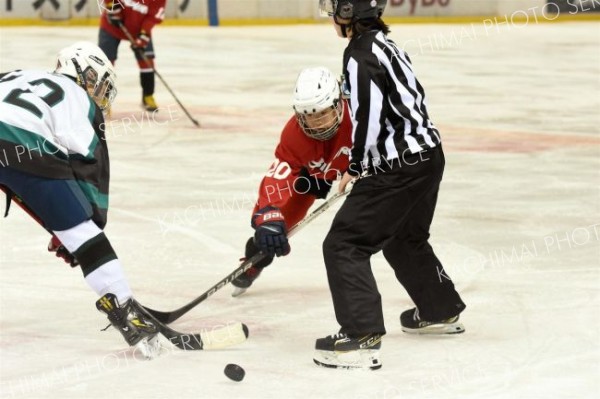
{"x":322,"y":134}
{"x":327,"y":7}
{"x":102,"y":91}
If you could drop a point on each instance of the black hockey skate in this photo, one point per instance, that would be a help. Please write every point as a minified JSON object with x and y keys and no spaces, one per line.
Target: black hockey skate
{"x":245,"y":280}
{"x":341,"y":351}
{"x":412,"y":324}
{"x":137,"y":329}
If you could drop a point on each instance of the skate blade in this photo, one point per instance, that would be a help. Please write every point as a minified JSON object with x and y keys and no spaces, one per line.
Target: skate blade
{"x":364,"y":359}
{"x":237,"y":291}
{"x":224,"y":336}
{"x":437,"y":329}
{"x":148,"y":348}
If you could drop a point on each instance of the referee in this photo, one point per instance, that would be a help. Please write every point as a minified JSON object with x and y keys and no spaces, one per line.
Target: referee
{"x":398,"y":159}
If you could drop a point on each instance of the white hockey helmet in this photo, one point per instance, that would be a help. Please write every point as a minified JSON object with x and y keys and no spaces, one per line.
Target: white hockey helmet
{"x":92,"y":70}
{"x":317,"y":103}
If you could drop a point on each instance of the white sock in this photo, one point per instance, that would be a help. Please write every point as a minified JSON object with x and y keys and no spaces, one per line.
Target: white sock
{"x":110,"y":278}
{"x":76,"y":236}
{"x":107,"y":278}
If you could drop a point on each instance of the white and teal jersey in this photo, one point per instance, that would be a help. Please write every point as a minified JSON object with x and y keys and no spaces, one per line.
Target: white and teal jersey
{"x":50,"y":127}
{"x":46,"y":111}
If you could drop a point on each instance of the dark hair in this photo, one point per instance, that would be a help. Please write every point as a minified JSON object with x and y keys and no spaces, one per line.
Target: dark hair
{"x":364,"y":25}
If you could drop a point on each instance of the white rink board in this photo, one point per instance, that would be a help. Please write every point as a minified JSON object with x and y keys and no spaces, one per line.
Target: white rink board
{"x":517,"y":225}
{"x":267,"y":9}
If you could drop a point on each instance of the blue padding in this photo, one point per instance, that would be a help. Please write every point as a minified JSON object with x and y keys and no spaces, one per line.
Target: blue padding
{"x":60,"y":204}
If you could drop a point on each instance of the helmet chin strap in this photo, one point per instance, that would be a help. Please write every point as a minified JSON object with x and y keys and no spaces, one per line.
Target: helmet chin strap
{"x":344,"y":30}
{"x":80,"y":76}
{"x":344,"y":27}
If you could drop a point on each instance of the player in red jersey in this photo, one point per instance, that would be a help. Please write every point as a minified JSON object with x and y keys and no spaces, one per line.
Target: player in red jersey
{"x":138,"y":17}
{"x":313,"y":152}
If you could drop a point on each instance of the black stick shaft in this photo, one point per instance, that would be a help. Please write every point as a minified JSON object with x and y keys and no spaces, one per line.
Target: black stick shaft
{"x":168,"y":317}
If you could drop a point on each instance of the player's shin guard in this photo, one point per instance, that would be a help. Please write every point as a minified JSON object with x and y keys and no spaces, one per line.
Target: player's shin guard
{"x":98,"y":261}
{"x":94,"y":253}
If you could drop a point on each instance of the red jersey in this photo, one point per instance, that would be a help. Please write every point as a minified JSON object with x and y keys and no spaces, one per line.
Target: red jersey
{"x":323,"y":160}
{"x":138,"y":15}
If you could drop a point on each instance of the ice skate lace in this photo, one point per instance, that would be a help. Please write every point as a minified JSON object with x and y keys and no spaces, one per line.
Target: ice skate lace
{"x":118,"y":318}
{"x":416,"y":315}
{"x":338,"y":336}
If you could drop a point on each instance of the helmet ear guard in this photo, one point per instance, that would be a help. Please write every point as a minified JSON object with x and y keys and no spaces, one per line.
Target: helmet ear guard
{"x":317,"y":103}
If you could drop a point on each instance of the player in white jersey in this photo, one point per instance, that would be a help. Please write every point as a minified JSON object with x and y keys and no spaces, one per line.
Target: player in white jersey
{"x":54,"y":163}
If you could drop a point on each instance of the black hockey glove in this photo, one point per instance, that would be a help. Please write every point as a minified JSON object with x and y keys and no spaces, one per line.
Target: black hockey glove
{"x":309,"y":184}
{"x":251,"y":250}
{"x":114,"y":12}
{"x":61,"y":252}
{"x":270,"y":232}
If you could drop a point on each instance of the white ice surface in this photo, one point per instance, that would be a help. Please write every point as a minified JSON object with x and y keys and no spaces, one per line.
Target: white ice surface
{"x":517,"y":226}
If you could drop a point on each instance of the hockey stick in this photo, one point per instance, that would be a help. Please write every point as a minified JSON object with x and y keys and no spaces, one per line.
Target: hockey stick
{"x":216,"y":338}
{"x":140,"y":52}
{"x":168,"y":317}
{"x":10,"y":196}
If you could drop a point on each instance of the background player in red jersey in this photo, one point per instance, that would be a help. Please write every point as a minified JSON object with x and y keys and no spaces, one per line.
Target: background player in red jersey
{"x":312,"y":153}
{"x":138,"y":17}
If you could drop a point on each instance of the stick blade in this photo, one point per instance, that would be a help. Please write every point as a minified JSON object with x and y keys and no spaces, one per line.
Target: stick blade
{"x":224,"y":336}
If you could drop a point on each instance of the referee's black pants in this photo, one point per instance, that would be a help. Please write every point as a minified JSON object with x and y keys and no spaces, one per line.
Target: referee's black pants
{"x":389,"y":210}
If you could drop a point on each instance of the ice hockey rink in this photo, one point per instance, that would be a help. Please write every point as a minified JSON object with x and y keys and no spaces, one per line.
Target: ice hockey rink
{"x":517,"y":225}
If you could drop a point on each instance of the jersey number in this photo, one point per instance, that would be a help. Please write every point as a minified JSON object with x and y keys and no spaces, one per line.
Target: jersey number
{"x":55,"y":96}
{"x":279,"y":170}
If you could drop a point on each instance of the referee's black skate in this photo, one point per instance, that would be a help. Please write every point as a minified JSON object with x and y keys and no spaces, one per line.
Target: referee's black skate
{"x":137,"y":330}
{"x":245,"y":280}
{"x":342,"y":352}
{"x":412,"y":324}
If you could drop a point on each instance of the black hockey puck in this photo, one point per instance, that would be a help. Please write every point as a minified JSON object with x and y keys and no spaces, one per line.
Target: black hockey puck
{"x":234,"y":372}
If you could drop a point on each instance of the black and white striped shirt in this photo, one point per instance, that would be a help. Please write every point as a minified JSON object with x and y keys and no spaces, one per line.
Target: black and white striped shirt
{"x":389,"y":112}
